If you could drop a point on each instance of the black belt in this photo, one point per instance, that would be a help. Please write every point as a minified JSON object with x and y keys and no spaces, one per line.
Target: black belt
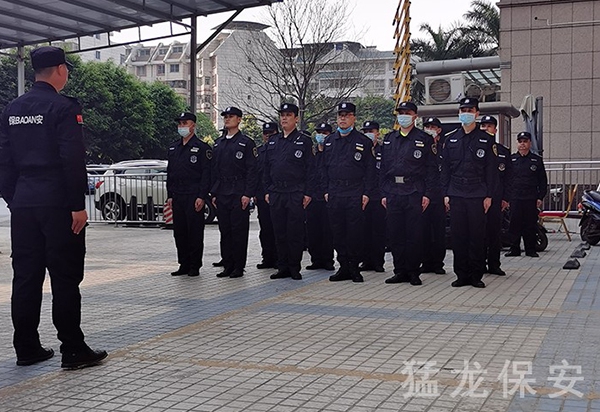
{"x":230,"y":178}
{"x":286,"y":183}
{"x":467,"y":180}
{"x":340,"y":182}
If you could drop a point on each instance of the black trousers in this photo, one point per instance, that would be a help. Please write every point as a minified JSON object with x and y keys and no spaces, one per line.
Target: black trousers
{"x":523,"y":223}
{"x":320,"y":240}
{"x":405,"y":231}
{"x":347,"y":220}
{"x":266,"y":234}
{"x":288,"y":223}
{"x":188,"y":231}
{"x":234,"y":225}
{"x":467,"y":226}
{"x":375,"y":234}
{"x":42,"y":239}
{"x":434,"y":236}
{"x":493,"y":235}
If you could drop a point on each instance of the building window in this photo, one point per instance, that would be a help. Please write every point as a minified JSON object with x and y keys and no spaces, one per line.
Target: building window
{"x":249,"y":97}
{"x":162,"y":51}
{"x":173,"y":68}
{"x":207,"y":80}
{"x":177,"y":49}
{"x":97,"y":55}
{"x":208,"y":98}
{"x":144,"y":52}
{"x":122,"y":59}
{"x":160,"y":69}
{"x":140,"y":71}
{"x":249,"y":78}
{"x":98,"y":36}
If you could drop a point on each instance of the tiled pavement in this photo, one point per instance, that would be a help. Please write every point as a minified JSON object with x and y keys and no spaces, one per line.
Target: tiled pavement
{"x":255,"y":344}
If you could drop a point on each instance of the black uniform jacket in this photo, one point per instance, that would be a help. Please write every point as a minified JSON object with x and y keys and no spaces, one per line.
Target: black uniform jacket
{"x":469,"y":166}
{"x":349,"y":165}
{"x":234,"y":166}
{"x":42,"y":156}
{"x":289,"y":163}
{"x":529,"y":180}
{"x":408,"y":164}
{"x":188,"y":171}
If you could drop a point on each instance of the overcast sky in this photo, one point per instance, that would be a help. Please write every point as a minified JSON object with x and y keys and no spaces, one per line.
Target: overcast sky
{"x":370,"y":20}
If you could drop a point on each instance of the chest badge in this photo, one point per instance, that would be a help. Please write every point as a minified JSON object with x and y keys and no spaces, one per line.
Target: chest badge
{"x":193,"y":159}
{"x":417,"y":154}
{"x":501,"y":167}
{"x":480,"y":153}
{"x":298,"y":154}
{"x":357,"y":156}
{"x":533,"y":168}
{"x":239,"y":154}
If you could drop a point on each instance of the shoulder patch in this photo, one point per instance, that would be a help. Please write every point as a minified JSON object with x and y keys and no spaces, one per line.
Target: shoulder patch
{"x":255,"y":151}
{"x":209,"y":154}
{"x":495,"y":149}
{"x":434,"y":149}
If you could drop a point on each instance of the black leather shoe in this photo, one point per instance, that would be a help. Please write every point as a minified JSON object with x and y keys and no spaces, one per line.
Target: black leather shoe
{"x":439,"y":271}
{"x":40,"y":355}
{"x":357,"y":278}
{"x":532,"y":254}
{"x":296,"y":276}
{"x":365,"y":267}
{"x":313,"y":266}
{"x":225,"y":273}
{"x":328,"y":266}
{"x":496,"y":271}
{"x":218,"y":264}
{"x":194,"y":272}
{"x":82,"y":359}
{"x":181,"y":271}
{"x":459,"y":283}
{"x":379,"y":269}
{"x":340,"y":276}
{"x":281,"y":274}
{"x":237,"y":273}
{"x":266,"y":265}
{"x":397,"y":278}
{"x":415,"y":280}
{"x":512,"y":253}
{"x":478,"y":284}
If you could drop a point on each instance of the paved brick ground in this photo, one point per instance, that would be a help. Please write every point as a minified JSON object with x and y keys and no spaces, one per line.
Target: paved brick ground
{"x":253,"y":344}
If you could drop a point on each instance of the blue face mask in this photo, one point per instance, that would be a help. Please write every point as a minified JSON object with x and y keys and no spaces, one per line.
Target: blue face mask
{"x":405,"y":120}
{"x":183,"y":131}
{"x":320,"y":138}
{"x":345,"y":131}
{"x":466,"y":118}
{"x":370,"y":136}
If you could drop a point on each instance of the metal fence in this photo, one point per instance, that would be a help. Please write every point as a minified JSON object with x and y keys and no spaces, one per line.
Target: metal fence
{"x":563,"y":175}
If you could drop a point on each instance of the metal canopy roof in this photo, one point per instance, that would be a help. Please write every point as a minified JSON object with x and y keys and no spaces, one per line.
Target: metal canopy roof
{"x":28,"y":22}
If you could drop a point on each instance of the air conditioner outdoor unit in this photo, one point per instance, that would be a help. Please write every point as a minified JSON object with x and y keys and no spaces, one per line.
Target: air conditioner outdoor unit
{"x":444,"y":89}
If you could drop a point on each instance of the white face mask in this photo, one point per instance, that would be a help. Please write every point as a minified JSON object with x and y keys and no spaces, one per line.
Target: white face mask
{"x":405,"y":120}
{"x":370,"y":136}
{"x":183,"y":131}
{"x":430,"y":132}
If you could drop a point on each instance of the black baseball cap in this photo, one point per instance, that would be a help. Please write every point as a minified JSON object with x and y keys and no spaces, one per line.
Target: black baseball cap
{"x":324,"y":127}
{"x":346,"y":107}
{"x":48,"y":56}
{"x":432,"y":121}
{"x":468,"y":102}
{"x":487,"y":119}
{"x":289,"y":108}
{"x":370,"y":125}
{"x":407,"y":106}
{"x":524,"y":135}
{"x":186,"y":116}
{"x":270,"y":127}
{"x":232,"y":110}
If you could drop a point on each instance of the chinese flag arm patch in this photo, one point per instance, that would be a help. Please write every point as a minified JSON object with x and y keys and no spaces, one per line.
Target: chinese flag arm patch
{"x":79,"y":119}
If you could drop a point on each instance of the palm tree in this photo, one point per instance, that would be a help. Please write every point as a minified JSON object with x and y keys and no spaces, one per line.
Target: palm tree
{"x":444,"y":44}
{"x":484,"y":26}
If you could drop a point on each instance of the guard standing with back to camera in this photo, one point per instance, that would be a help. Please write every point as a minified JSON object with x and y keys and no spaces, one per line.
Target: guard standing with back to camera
{"x":234,"y":179}
{"x":188,"y":182}
{"x":493,"y":224}
{"x":348,"y":178}
{"x":434,"y":217}
{"x":527,"y":192}
{"x":320,"y":242}
{"x":266,"y":234}
{"x":407,"y":177}
{"x":469,"y":178}
{"x":287,"y":179}
{"x":373,"y":257}
{"x":43,"y":181}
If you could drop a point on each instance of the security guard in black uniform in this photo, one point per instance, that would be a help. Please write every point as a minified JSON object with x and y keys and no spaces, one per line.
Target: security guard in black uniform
{"x":43,"y":181}
{"x":434,"y":217}
{"x":320,"y":240}
{"x":373,"y":257}
{"x":469,"y":178}
{"x":287,"y":176}
{"x":234,"y":180}
{"x":407,"y":177}
{"x":493,"y":225}
{"x":188,"y":183}
{"x":528,"y":189}
{"x":349,"y":178}
{"x":266,"y":234}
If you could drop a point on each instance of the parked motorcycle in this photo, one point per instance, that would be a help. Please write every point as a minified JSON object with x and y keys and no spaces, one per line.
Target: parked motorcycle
{"x":590,"y":220}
